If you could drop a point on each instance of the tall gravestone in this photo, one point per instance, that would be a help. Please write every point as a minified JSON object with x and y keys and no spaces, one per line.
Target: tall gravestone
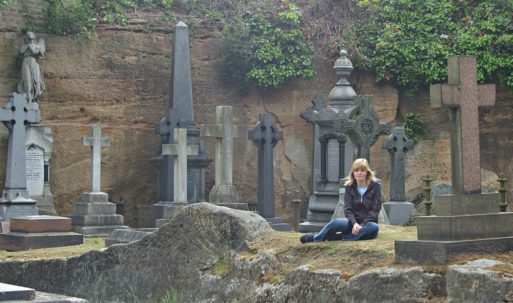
{"x":266,"y":135}
{"x":332,"y":157}
{"x":15,"y":200}
{"x":179,"y":114}
{"x":39,"y":151}
{"x":224,"y":191}
{"x":94,"y":215}
{"x":466,"y":221}
{"x":398,"y":209}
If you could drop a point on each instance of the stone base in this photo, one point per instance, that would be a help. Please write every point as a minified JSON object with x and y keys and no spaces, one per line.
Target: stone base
{"x":45,"y":205}
{"x":224,"y":194}
{"x":321,"y":207}
{"x":163,"y":210}
{"x":440,"y":252}
{"x":18,"y":241}
{"x":16,"y":207}
{"x":11,"y":293}
{"x":123,"y":236}
{"x":453,"y":228}
{"x":95,"y":216}
{"x":465,"y":204}
{"x":398,"y":212}
{"x":279,"y":224}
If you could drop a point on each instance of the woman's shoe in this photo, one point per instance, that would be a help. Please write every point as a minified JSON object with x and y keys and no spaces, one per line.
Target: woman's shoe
{"x":306,"y":238}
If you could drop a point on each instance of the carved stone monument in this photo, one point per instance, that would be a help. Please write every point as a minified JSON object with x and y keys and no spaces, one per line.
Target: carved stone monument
{"x":179,"y":114}
{"x":332,"y":157}
{"x":266,"y":135}
{"x":466,"y":221}
{"x":31,"y":83}
{"x":94,"y":215}
{"x":15,"y":200}
{"x":398,"y":209}
{"x":179,"y":152}
{"x":224,"y":192}
{"x":39,"y":151}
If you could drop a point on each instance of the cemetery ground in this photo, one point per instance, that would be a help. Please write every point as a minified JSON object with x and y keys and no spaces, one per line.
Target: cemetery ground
{"x":348,"y":257}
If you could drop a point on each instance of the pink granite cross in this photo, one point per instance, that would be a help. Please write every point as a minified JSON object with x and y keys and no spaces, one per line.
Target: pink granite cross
{"x":463,"y":96}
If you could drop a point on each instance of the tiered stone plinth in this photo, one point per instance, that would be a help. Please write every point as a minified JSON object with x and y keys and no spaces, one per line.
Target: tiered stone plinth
{"x":31,"y":232}
{"x":94,"y":215}
{"x":465,"y":223}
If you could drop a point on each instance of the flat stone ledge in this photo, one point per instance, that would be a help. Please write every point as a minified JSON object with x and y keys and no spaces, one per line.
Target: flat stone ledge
{"x":467,"y":227}
{"x":16,"y":241}
{"x":440,"y":252}
{"x":465,"y":204}
{"x":10,"y":292}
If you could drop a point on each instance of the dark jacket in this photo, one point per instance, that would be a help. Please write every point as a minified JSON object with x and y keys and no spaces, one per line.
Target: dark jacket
{"x":361,"y":210}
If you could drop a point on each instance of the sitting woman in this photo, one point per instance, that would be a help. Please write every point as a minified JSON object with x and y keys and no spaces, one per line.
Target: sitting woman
{"x":362,"y":203}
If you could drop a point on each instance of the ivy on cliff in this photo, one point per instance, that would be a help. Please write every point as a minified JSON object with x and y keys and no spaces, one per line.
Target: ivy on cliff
{"x":407,"y":42}
{"x":266,"y":48}
{"x":81,"y":16}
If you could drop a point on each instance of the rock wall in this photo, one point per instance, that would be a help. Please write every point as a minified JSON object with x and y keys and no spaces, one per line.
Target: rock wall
{"x":120,"y":79}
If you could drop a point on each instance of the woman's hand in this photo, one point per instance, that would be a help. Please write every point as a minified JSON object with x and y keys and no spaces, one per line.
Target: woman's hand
{"x":356,"y":229}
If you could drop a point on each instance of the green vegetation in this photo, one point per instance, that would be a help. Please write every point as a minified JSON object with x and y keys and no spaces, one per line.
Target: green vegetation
{"x":266,"y":48}
{"x":414,"y":126}
{"x":406,"y":42}
{"x":81,"y":16}
{"x":4,"y":2}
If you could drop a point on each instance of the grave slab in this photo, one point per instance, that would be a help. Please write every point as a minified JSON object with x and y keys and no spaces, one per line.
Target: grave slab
{"x":18,"y":241}
{"x":44,"y":223}
{"x":441,"y":252}
{"x":10,"y":292}
{"x":465,"y":204}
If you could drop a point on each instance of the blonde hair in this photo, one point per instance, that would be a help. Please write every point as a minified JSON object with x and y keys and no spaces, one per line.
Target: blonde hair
{"x":362,"y":164}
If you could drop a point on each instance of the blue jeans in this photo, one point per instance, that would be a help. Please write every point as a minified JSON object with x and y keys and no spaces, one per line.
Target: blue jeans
{"x":340,"y":229}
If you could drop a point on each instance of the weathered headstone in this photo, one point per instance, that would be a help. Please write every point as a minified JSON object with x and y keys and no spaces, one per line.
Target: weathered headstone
{"x":466,"y":221}
{"x":398,"y":209}
{"x":266,"y":135}
{"x":15,"y":200}
{"x":39,"y":150}
{"x":332,"y":156}
{"x":224,"y":192}
{"x":94,"y":215}
{"x":179,"y":114}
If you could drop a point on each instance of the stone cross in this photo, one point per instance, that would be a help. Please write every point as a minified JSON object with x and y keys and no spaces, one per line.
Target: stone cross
{"x":180,"y":150}
{"x":365,"y":126}
{"x":16,"y":114}
{"x":397,"y":145}
{"x":463,"y":96}
{"x":96,"y":142}
{"x":224,"y":131}
{"x":265,"y":135}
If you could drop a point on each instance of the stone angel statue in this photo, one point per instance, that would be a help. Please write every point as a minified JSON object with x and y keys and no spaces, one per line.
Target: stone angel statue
{"x":31,"y":82}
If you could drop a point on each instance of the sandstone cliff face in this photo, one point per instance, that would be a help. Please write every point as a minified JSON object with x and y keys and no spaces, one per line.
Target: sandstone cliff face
{"x":120,"y":79}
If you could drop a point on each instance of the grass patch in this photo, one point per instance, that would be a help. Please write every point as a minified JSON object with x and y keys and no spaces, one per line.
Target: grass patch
{"x":90,"y":243}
